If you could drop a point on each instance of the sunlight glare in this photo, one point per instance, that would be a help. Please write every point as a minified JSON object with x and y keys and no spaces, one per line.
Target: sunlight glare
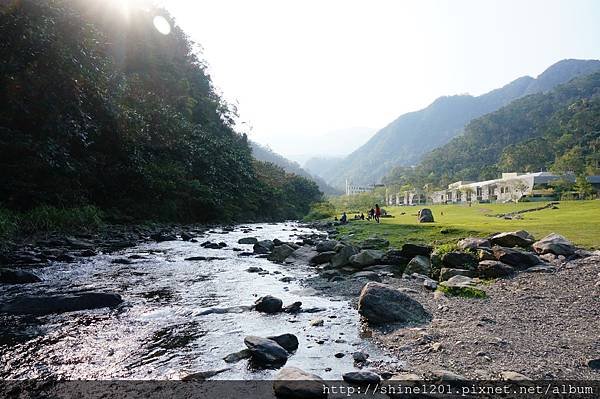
{"x":162,"y":25}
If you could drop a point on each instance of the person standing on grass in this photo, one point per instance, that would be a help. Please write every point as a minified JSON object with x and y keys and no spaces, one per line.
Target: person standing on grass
{"x":377,"y":213}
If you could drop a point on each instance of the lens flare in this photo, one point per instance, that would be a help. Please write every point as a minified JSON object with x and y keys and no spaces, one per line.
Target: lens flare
{"x":162,"y":25}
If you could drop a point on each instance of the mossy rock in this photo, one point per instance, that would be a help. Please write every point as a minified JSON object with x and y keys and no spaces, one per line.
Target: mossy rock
{"x":464,"y":292}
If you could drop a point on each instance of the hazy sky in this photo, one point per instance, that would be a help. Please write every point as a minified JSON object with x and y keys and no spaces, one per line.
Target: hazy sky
{"x":300,"y":69}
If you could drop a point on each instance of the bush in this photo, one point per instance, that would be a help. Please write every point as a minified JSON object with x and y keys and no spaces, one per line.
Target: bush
{"x":320,"y":210}
{"x":8,"y":223}
{"x":46,"y":218}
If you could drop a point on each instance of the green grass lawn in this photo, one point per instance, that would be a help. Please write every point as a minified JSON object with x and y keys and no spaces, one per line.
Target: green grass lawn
{"x":579,"y":221}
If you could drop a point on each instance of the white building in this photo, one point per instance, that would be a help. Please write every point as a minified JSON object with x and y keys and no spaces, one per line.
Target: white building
{"x":353,"y":189}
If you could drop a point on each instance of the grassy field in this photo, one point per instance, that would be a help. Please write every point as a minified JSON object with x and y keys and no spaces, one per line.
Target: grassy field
{"x":579,"y":221}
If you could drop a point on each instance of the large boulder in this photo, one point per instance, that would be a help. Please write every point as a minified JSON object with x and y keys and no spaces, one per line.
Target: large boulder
{"x":473,"y":243}
{"x":555,"y":244}
{"x":280,"y":253}
{"x":60,"y":303}
{"x":263,"y":247}
{"x":411,"y":250}
{"x":381,"y":304}
{"x":366,"y":257}
{"x":294,"y":383}
{"x":327,"y":245}
{"x":322,"y":257}
{"x":516,"y":257}
{"x":342,"y":257}
{"x":375,"y":243}
{"x":11,"y":276}
{"x":425,"y":216}
{"x":268,"y":304}
{"x":419,"y":264}
{"x":459,"y":260}
{"x":462,"y":286}
{"x":266,"y":351}
{"x":493,"y":269}
{"x":248,"y":240}
{"x":447,"y":273}
{"x":512,"y":239}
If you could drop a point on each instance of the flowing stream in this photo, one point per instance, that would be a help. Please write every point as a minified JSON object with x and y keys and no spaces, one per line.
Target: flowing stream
{"x":162,"y":330}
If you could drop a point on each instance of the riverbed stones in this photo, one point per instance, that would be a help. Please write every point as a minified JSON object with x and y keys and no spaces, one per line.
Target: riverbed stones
{"x":263,"y":247}
{"x":280,"y":253}
{"x":248,"y":240}
{"x":594,"y":364}
{"x":327,"y":245}
{"x":302,"y":255}
{"x":289,"y":342}
{"x":361,"y":377}
{"x":394,"y":257}
{"x":447,"y":273}
{"x":516,"y":257}
{"x":380,"y":304}
{"x":266,"y":351}
{"x":268,"y":304}
{"x":322,"y":257}
{"x":513,"y":376}
{"x":512,"y":239}
{"x":12,"y":276}
{"x":44,"y":305}
{"x":555,"y":244}
{"x":366,"y":257}
{"x":342,"y":257}
{"x":473,"y":243}
{"x":493,"y":269}
{"x":237,"y":356}
{"x":419,"y":264}
{"x":294,"y":383}
{"x":366,"y":275}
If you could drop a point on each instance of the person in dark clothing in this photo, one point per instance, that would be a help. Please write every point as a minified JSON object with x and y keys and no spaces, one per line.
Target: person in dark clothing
{"x":377,"y":213}
{"x":362,"y":216}
{"x":344,"y":218}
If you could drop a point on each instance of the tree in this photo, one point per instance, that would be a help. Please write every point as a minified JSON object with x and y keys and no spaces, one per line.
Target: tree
{"x":583,"y":187}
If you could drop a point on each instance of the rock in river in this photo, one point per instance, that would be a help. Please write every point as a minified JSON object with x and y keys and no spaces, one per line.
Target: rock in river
{"x":554,"y":244}
{"x":11,"y":276}
{"x":380,"y":304}
{"x":293,"y":383}
{"x":60,"y":303}
{"x":280,"y":253}
{"x":248,"y":240}
{"x":268,"y":304}
{"x":361,"y":377}
{"x":289,"y":342}
{"x":263,"y":247}
{"x":266,"y":351}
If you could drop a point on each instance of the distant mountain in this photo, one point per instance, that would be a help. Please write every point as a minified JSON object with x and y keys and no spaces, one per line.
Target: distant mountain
{"x":557,"y":130}
{"x":321,"y":166}
{"x":265,"y":154}
{"x":404,"y":141}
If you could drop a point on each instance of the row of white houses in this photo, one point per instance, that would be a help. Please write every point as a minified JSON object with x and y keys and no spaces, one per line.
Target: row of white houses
{"x":510,"y":187}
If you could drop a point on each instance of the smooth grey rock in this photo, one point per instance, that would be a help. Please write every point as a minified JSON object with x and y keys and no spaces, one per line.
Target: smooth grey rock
{"x":540,"y":269}
{"x":555,"y":244}
{"x":342,"y":257}
{"x":12,"y":276}
{"x":459,"y":260}
{"x":322,"y":257}
{"x":419,"y":264}
{"x":516,"y":257}
{"x":301,"y":256}
{"x":513,"y":376}
{"x":280,"y":253}
{"x":511,"y":239}
{"x":493,"y":269}
{"x":60,"y":303}
{"x":266,"y":351}
{"x":366,"y":257}
{"x":361,"y":377}
{"x":425,"y":216}
{"x":293,"y":307}
{"x":474,"y":243}
{"x":327,"y":245}
{"x":394,"y":257}
{"x":237,"y":356}
{"x":359,"y":357}
{"x":263,"y":247}
{"x":411,"y":250}
{"x":289,"y":342}
{"x":248,"y":240}
{"x":447,"y":273}
{"x":368,"y":275}
{"x":380,"y":304}
{"x":268,"y":304}
{"x":294,"y":383}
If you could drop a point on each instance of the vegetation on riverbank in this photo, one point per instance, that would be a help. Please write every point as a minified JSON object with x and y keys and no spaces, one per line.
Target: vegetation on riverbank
{"x":101,"y":109}
{"x":576,"y":220}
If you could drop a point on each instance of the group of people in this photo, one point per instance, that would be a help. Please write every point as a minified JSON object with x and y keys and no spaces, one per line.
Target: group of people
{"x":372,"y":214}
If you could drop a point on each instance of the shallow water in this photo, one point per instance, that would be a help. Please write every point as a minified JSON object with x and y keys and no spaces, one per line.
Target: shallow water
{"x":160,"y":332}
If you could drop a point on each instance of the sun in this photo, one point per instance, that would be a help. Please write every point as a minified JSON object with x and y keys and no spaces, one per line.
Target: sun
{"x":162,"y":25}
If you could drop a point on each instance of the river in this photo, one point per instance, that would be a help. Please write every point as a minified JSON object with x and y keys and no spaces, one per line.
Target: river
{"x":162,"y":330}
